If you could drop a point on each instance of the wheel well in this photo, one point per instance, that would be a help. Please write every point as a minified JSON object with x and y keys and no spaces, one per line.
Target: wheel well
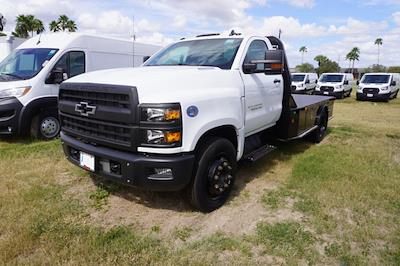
{"x":227,"y":132}
{"x":33,"y":109}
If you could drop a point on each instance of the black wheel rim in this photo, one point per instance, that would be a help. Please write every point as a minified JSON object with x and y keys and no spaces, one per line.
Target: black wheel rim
{"x":220,"y":176}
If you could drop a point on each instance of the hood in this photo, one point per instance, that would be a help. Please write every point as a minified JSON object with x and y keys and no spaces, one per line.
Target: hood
{"x":166,"y":84}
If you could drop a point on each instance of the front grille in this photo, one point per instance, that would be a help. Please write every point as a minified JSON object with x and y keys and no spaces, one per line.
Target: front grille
{"x":96,"y":98}
{"x":373,"y":91}
{"x":326,"y":88}
{"x":96,"y":130}
{"x":112,"y":124}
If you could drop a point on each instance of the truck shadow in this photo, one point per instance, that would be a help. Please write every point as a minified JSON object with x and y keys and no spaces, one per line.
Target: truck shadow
{"x":177,"y":201}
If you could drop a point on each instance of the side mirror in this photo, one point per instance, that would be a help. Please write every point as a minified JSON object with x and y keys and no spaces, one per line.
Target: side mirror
{"x":394,"y":83}
{"x":249,"y":68}
{"x":145,"y":58}
{"x":273,"y":63}
{"x":56,"y":76}
{"x":308,"y":81}
{"x":346,"y":82}
{"x":358,"y":82}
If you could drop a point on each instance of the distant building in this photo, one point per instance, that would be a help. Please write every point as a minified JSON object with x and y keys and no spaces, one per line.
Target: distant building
{"x":8,"y":44}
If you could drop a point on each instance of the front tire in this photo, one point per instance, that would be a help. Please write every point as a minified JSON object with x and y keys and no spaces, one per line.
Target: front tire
{"x":45,"y":125}
{"x":214,"y":176}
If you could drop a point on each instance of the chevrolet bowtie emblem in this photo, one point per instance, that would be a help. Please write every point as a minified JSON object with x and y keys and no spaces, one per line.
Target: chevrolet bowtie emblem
{"x":85,"y":109}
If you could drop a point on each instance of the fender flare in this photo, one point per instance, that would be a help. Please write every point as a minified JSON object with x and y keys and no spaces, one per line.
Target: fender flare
{"x":30,"y":110}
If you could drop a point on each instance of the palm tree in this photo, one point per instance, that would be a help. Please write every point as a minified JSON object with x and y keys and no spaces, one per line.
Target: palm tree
{"x":62,"y":24}
{"x":321,"y":59}
{"x":379,"y":42}
{"x":303,"y":50}
{"x":27,"y":25}
{"x":352,"y":56}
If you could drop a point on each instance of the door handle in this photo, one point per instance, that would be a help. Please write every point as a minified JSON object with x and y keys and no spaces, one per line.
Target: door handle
{"x":277,"y":81}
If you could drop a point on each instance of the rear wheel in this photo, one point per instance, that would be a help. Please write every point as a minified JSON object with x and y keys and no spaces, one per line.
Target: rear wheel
{"x":45,"y":125}
{"x":319,"y":134}
{"x":214,"y":176}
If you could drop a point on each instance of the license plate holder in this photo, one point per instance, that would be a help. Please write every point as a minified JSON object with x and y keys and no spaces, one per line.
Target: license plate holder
{"x":370,"y":95}
{"x":87,"y":161}
{"x":326,"y":93}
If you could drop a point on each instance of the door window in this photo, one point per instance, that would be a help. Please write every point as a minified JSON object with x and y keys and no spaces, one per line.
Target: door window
{"x":257,"y":51}
{"x":72,"y":63}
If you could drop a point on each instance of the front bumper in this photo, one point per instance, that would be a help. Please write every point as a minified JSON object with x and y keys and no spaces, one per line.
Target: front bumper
{"x":375,"y":97}
{"x":10,"y":110}
{"x":336,"y":94}
{"x":135,"y":169}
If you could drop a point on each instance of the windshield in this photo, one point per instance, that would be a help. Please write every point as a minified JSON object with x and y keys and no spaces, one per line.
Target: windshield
{"x":378,"y":79}
{"x":298,"y":78}
{"x":331,"y":78}
{"x":25,"y":63}
{"x":212,"y":52}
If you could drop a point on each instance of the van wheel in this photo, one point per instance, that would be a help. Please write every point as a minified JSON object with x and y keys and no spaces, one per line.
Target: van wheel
{"x":45,"y":125}
{"x":319,"y":134}
{"x":214,"y":176}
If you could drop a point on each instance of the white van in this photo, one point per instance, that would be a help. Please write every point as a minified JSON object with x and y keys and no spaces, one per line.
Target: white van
{"x":304,"y":83}
{"x":30,"y":76}
{"x":378,"y":86}
{"x":339,"y":85}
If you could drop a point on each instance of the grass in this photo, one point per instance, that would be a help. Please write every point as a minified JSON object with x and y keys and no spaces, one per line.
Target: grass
{"x":343,"y":197}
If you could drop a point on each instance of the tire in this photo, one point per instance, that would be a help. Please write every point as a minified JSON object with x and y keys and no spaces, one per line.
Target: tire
{"x":319,"y":134}
{"x":214,"y":176}
{"x":46,"y":125}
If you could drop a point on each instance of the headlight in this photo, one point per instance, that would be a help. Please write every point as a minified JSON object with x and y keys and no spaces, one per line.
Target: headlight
{"x":161,"y":125}
{"x":384,"y":88}
{"x":163,"y":137}
{"x":155,"y":114}
{"x":15,"y":92}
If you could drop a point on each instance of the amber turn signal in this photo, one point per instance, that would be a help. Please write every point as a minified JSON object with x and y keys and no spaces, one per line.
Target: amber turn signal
{"x":172,"y":137}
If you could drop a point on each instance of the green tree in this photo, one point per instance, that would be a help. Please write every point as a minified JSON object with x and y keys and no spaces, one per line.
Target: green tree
{"x":376,"y":69}
{"x":394,"y":69}
{"x":305,"y":68}
{"x":27,"y":25}
{"x":352,"y":56}
{"x":379,"y":42}
{"x":326,"y":65}
{"x":63,"y":23}
{"x":303,"y":50}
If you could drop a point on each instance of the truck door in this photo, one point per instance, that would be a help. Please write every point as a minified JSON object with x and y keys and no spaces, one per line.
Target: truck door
{"x":263,"y":93}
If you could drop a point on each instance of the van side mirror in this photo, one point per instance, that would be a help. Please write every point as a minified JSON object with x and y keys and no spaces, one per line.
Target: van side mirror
{"x":394,"y":83}
{"x":57,"y":75}
{"x":145,"y":58}
{"x":358,"y":82}
{"x":272,"y":65}
{"x":346,"y":82}
{"x":307,"y":81}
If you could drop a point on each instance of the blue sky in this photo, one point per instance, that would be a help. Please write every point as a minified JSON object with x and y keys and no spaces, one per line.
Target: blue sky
{"x":325,"y":27}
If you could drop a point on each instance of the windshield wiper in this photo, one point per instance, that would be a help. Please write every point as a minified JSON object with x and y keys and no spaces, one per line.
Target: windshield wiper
{"x":12,"y":75}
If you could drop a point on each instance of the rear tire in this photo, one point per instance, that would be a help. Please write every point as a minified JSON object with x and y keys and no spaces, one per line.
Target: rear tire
{"x":214,"y":176}
{"x":46,"y":125}
{"x":319,"y":134}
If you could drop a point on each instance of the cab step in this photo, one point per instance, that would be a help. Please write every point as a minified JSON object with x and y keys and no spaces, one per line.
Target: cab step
{"x":259,"y":153}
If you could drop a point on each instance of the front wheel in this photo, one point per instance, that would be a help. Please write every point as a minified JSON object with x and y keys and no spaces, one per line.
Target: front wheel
{"x":45,"y":125}
{"x":214,"y":176}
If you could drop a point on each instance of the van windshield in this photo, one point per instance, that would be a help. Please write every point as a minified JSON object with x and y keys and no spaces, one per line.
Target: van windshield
{"x":24,"y":63}
{"x":212,"y":52}
{"x":378,"y":79}
{"x":298,"y":78}
{"x":332,"y":78}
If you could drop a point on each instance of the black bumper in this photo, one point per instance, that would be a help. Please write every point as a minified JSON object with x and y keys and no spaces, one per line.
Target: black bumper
{"x":375,"y":97}
{"x":135,"y":169}
{"x":336,"y":94}
{"x":10,"y":110}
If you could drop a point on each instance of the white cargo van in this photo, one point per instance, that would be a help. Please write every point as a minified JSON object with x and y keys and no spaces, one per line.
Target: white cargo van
{"x":304,"y":83}
{"x":339,"y":85}
{"x":30,"y":76}
{"x":378,"y":86}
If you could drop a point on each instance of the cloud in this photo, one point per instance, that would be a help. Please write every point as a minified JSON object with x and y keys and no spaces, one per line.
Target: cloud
{"x":302,"y":3}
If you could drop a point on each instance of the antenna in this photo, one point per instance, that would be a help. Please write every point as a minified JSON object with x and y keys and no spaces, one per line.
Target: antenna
{"x":280,"y":33}
{"x":40,"y":37}
{"x":133,"y":41}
